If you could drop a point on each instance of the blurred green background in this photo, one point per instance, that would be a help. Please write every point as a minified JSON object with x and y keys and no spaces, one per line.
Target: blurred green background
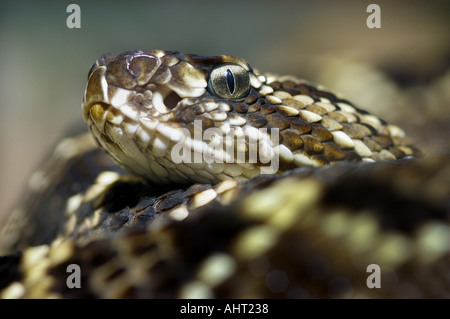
{"x":399,"y":69}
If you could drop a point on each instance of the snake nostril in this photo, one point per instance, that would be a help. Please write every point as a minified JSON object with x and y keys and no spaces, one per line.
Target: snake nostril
{"x":171,"y":100}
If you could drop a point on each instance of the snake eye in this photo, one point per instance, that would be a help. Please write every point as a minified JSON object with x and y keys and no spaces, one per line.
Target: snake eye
{"x":229,"y":81}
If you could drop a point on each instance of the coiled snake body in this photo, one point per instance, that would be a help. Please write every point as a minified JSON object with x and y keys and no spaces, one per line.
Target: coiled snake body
{"x":346,"y":192}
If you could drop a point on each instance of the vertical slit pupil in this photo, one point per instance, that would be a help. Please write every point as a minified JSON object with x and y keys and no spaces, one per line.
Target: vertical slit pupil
{"x":230,"y":81}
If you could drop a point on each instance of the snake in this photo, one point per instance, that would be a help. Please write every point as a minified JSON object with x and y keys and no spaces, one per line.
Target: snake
{"x":200,"y":177}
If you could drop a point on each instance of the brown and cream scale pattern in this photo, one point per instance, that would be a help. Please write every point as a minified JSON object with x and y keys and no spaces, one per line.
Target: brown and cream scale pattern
{"x":138,"y":103}
{"x":309,"y":232}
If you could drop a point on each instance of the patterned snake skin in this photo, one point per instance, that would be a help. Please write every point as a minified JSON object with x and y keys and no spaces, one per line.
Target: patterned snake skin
{"x":348,"y":191}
